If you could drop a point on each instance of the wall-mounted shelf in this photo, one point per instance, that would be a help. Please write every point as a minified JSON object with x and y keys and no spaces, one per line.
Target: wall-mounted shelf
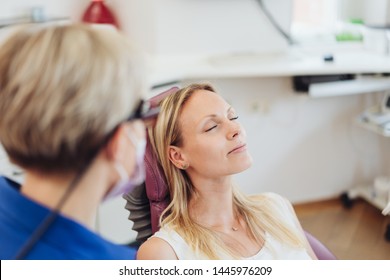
{"x":360,"y":85}
{"x":294,"y":62}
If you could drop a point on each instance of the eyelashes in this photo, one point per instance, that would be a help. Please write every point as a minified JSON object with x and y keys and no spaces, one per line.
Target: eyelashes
{"x":211,"y":128}
{"x":215,"y":126}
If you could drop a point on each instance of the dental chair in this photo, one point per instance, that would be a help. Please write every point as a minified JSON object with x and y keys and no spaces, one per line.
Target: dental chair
{"x":147,"y":201}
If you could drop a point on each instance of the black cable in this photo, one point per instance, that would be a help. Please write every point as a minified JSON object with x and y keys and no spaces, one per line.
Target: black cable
{"x":50,"y":218}
{"x":275,"y":24}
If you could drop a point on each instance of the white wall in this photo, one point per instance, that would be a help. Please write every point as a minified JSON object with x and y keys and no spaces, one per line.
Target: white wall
{"x":203,"y":26}
{"x":180,"y":26}
{"x":53,"y":8}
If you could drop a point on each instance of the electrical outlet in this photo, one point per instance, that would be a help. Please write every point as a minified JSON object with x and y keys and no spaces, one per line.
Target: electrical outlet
{"x":260,"y":106}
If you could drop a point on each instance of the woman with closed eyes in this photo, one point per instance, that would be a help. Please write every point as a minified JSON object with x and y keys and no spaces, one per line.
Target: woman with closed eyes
{"x":200,"y":145}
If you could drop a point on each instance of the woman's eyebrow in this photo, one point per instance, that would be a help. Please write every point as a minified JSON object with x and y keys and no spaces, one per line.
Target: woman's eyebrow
{"x":210,"y":116}
{"x":206,"y":119}
{"x":230,"y":109}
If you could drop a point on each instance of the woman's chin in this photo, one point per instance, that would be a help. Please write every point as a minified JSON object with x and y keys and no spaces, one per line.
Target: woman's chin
{"x":244,"y":164}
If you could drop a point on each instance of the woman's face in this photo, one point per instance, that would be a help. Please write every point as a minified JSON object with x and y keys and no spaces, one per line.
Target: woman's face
{"x":214,"y":142}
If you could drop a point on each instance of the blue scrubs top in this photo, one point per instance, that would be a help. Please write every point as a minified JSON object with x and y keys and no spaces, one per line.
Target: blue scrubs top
{"x":65,"y":239}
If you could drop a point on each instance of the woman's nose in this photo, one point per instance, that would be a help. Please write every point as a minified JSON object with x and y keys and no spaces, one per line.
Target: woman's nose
{"x":234,"y":130}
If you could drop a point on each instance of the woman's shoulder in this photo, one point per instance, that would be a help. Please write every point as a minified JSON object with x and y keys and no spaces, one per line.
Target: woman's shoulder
{"x":268,"y":196}
{"x":274,"y":201}
{"x":156,"y":248}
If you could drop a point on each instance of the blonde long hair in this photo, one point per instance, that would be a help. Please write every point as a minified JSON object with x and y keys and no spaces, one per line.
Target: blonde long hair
{"x":260,"y":214}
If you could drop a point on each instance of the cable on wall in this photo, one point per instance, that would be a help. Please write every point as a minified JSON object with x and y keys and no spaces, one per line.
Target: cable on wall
{"x":275,"y":24}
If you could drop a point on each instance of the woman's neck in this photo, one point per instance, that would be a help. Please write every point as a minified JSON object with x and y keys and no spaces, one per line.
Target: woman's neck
{"x":83,"y":202}
{"x":212,"y":205}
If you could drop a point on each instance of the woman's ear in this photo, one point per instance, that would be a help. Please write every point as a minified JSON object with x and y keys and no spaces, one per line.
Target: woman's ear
{"x":177,"y":157}
{"x":115,"y":147}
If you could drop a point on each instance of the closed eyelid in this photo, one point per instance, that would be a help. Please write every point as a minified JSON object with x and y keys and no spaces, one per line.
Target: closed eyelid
{"x":232,"y":116}
{"x":210,"y":124}
{"x":213,"y":120}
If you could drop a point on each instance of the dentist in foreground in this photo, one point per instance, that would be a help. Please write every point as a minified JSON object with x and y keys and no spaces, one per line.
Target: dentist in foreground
{"x":71,"y":118}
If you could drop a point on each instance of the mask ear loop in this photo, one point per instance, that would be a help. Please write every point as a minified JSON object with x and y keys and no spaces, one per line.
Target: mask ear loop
{"x":132,"y":138}
{"x":139,"y":146}
{"x":121,"y":171}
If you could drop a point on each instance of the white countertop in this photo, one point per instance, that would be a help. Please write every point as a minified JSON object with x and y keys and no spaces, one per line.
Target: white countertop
{"x":353,"y":59}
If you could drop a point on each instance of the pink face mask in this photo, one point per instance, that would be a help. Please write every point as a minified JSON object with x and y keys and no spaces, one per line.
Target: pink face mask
{"x":127,"y":183}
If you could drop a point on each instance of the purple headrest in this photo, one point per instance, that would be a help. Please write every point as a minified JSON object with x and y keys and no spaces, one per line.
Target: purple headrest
{"x":155,"y":182}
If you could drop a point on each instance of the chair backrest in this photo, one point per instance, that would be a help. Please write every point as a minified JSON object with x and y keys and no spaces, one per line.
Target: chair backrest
{"x":156,"y":187}
{"x":157,"y":192}
{"x":147,"y":201}
{"x":321,"y":251}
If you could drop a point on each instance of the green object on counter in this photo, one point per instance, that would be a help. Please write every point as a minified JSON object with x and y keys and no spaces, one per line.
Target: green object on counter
{"x":351,"y":32}
{"x":356,"y":21}
{"x":349,"y":36}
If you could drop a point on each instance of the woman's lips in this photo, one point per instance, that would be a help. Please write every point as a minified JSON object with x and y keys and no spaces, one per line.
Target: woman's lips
{"x":238,"y":149}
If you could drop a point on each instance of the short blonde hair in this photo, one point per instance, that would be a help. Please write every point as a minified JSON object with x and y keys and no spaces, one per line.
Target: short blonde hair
{"x":62,"y":90}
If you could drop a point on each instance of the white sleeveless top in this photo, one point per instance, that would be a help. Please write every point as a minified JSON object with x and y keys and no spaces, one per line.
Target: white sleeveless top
{"x":272,"y":249}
